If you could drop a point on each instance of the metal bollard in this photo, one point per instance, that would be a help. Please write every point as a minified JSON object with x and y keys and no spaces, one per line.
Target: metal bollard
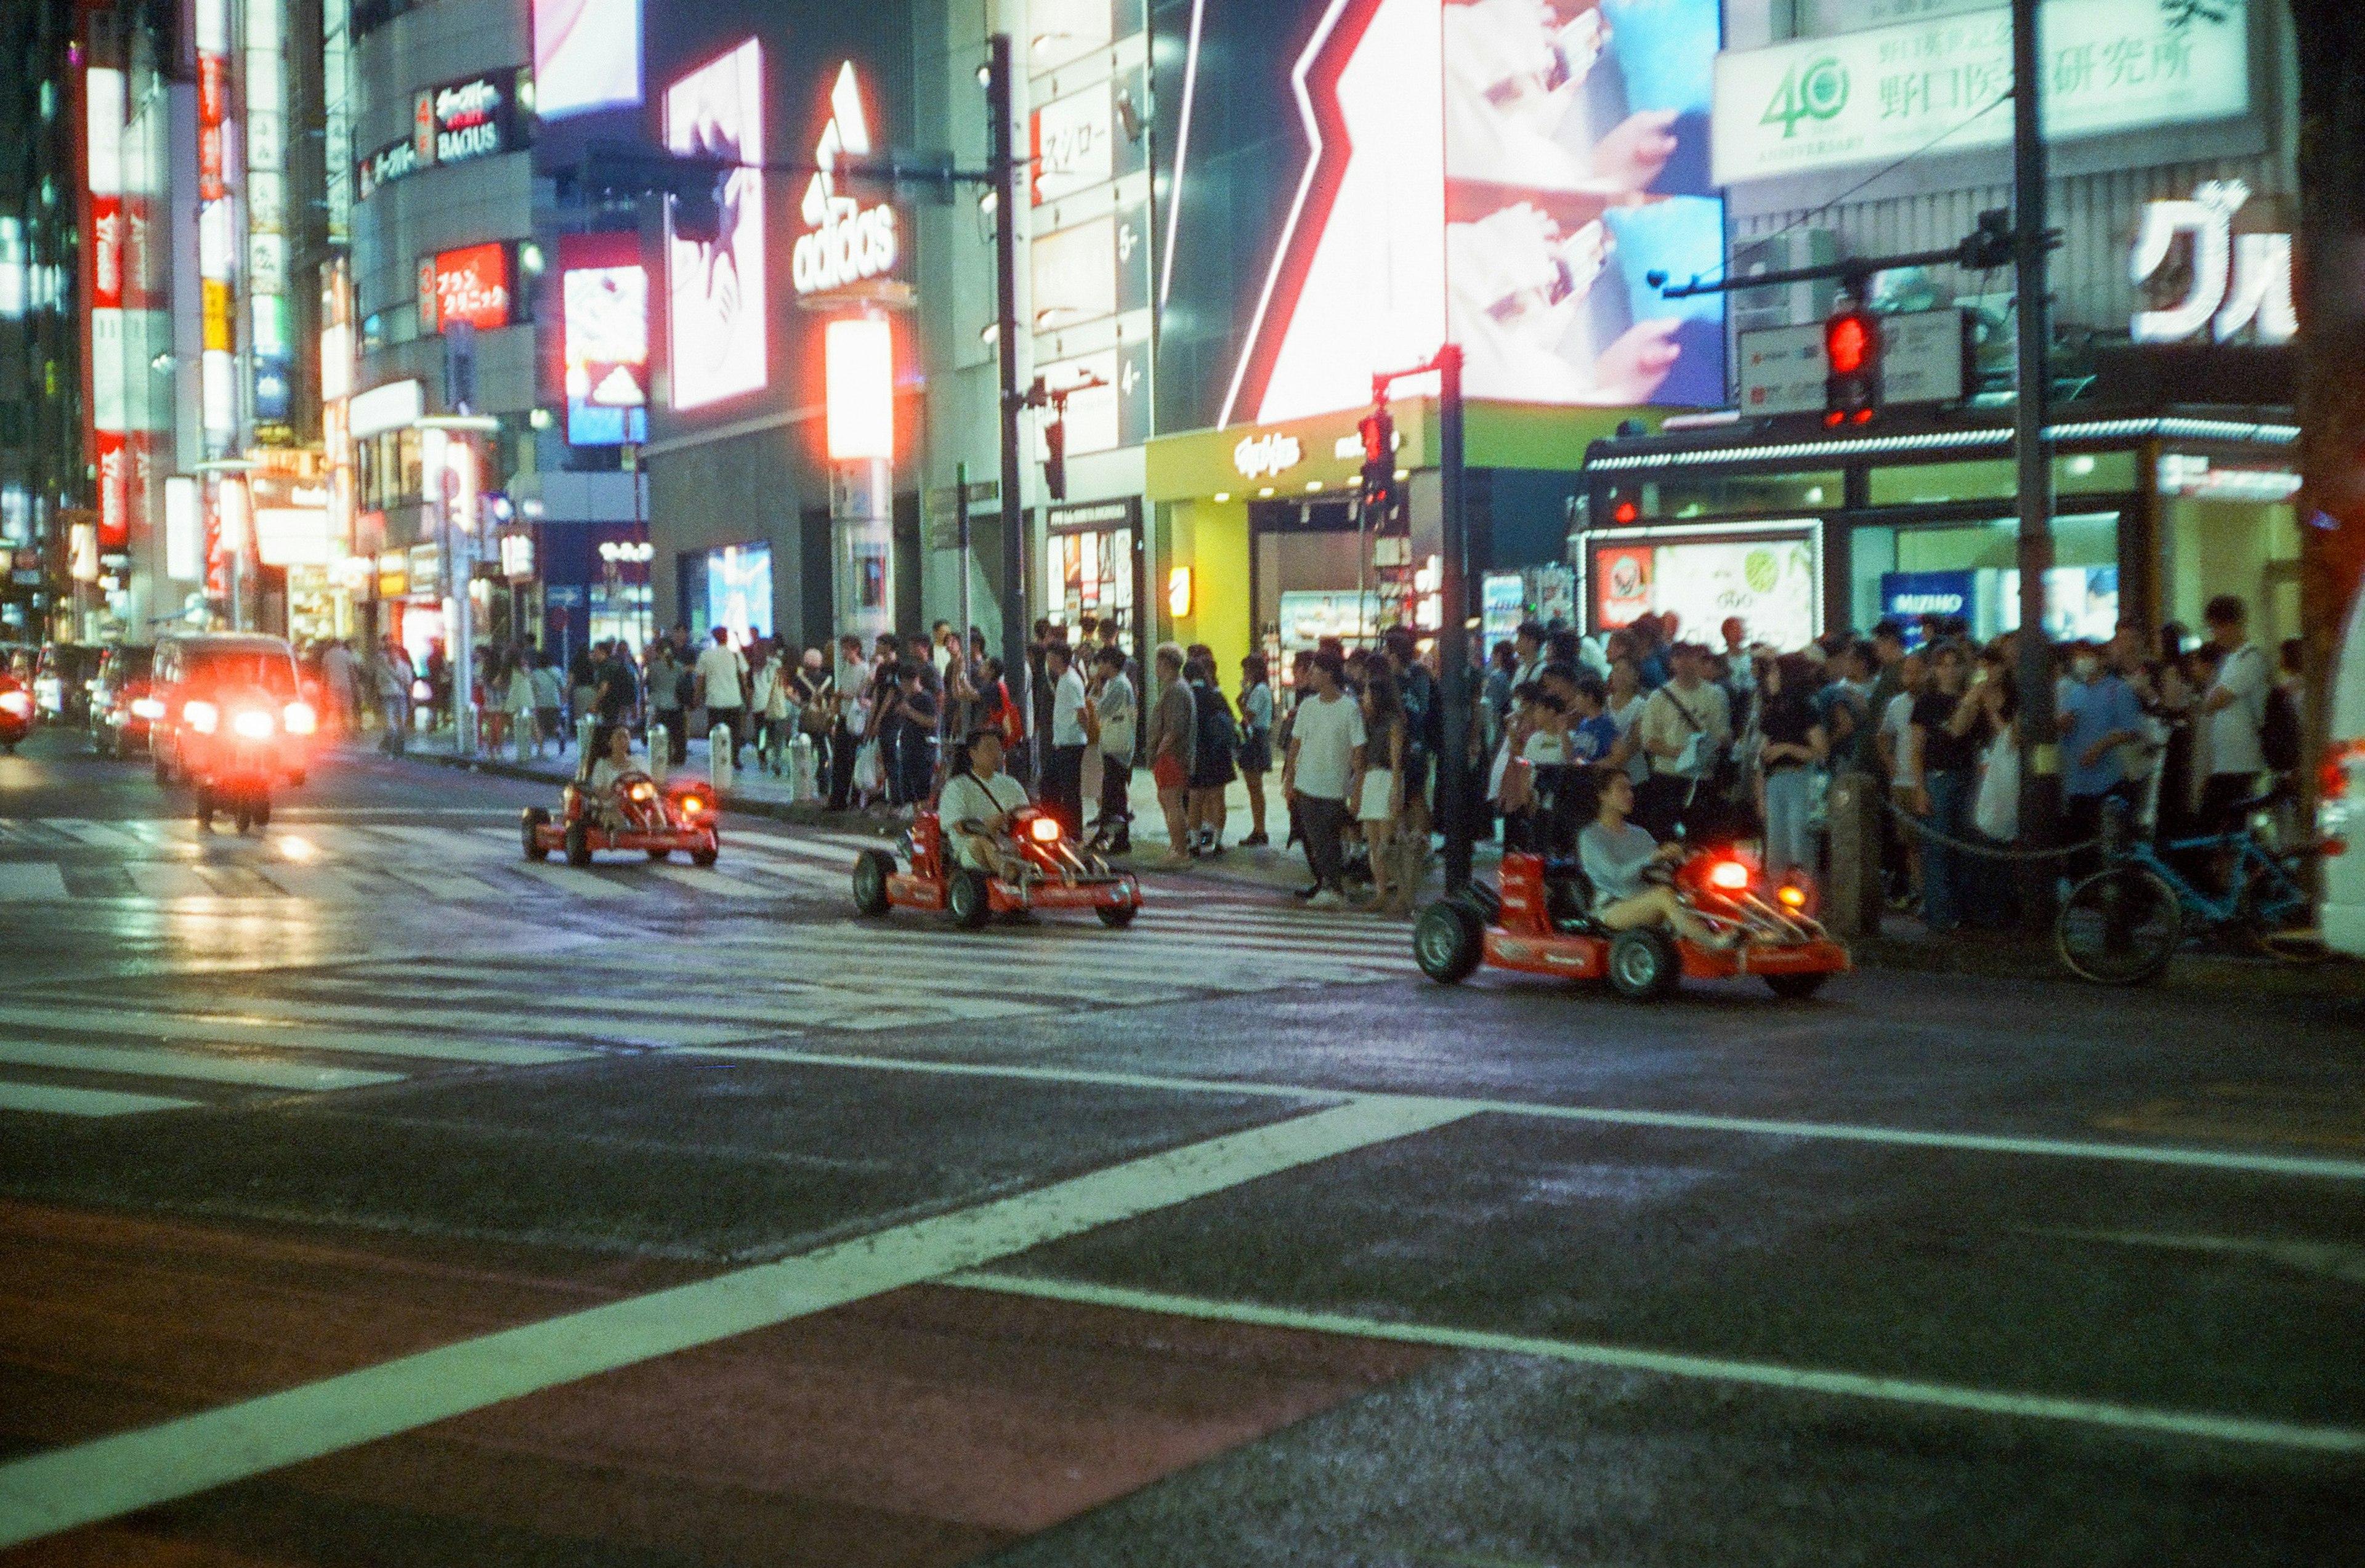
{"x":660,"y":752}
{"x":1853,"y":902}
{"x":583,"y":728}
{"x":800,"y":768}
{"x":718,"y":749}
{"x":521,"y":736}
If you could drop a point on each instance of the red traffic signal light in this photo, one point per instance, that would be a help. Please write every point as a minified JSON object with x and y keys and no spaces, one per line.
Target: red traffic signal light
{"x":1055,"y":455}
{"x":1852,"y":359}
{"x":1379,"y":434}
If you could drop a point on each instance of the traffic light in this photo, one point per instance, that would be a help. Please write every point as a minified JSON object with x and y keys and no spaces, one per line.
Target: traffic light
{"x":1054,"y":452}
{"x":1852,"y":358}
{"x":1379,"y":434}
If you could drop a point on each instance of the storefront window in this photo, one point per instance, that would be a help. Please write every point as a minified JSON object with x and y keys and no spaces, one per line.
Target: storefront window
{"x":1971,"y":573}
{"x":1090,"y":572}
{"x":2247,"y":549}
{"x":1739,"y":495}
{"x":1934,"y":484}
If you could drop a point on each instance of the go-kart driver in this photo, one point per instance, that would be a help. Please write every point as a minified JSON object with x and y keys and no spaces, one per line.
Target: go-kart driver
{"x":977,"y":805}
{"x":1619,"y":858}
{"x":605,"y":789}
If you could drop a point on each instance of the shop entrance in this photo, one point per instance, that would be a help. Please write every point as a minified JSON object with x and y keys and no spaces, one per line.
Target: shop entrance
{"x":1314,"y":576}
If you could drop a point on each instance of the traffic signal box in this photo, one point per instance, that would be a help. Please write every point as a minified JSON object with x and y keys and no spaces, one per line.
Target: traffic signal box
{"x":1379,"y":434}
{"x":1852,"y":357}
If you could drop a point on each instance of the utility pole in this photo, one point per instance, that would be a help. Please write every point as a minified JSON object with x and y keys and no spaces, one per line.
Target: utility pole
{"x":2040,"y":772}
{"x":1000,"y":106}
{"x":1452,"y":626}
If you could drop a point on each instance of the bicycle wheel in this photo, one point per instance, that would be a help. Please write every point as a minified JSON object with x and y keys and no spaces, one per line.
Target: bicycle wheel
{"x":2119,"y":926}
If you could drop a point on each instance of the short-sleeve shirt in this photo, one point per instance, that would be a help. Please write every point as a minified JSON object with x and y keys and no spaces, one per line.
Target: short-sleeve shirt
{"x":1942,"y":751}
{"x":2234,"y":729}
{"x":2094,"y":709}
{"x":968,"y":798}
{"x":1614,"y":862}
{"x":1664,"y":722}
{"x":1118,"y":716}
{"x":1326,"y":733}
{"x":1257,"y":705}
{"x":718,"y":666}
{"x":1068,"y":710}
{"x":1590,"y":740}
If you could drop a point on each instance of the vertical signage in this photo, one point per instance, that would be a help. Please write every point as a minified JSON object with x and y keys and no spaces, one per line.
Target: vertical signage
{"x":107,"y":417}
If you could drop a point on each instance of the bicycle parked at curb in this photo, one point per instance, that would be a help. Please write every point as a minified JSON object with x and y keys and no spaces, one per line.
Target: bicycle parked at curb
{"x":2124,"y":923}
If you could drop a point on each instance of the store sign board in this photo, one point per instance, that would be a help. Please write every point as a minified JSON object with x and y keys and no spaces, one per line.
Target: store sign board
{"x":1769,"y":583}
{"x":2234,"y":281}
{"x":457,"y":122}
{"x":1906,"y":597}
{"x":845,"y":242}
{"x":1891,"y":93}
{"x":392,"y":407}
{"x":470,"y":284}
{"x":1924,"y":359}
{"x":1266,"y":456}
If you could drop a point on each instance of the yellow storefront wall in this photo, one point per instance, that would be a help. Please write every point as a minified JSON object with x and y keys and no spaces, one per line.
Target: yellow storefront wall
{"x":1198,"y":486}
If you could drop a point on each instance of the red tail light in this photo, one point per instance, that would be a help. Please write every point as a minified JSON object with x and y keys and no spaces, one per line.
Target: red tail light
{"x":2332,"y":784}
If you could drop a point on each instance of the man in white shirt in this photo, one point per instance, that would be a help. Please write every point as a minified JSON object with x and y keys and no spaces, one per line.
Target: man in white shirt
{"x":1116,"y":720}
{"x":2237,"y":706}
{"x":1684,"y":730}
{"x":1063,"y":764}
{"x":722,"y":689}
{"x":1324,"y":770}
{"x":977,"y":806}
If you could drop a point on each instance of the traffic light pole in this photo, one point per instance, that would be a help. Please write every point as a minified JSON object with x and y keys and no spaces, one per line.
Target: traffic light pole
{"x":1453,"y":780}
{"x":999,"y":98}
{"x":2040,"y":772}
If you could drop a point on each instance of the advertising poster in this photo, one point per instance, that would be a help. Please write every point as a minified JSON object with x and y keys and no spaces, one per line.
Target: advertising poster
{"x":604,"y":304}
{"x":472,"y":285}
{"x":716,"y":306}
{"x":587,"y":55}
{"x":1768,"y":583}
{"x":1504,"y":173}
{"x":739,"y":590}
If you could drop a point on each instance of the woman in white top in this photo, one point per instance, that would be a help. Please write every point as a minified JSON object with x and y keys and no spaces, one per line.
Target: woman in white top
{"x":1381,"y":801}
{"x":1256,"y":741}
{"x":518,"y":702}
{"x":1627,"y":701}
{"x":767,"y":707}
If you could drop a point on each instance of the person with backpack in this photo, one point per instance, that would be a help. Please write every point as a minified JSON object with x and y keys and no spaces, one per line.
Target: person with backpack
{"x":2235,"y":709}
{"x":1214,"y":750}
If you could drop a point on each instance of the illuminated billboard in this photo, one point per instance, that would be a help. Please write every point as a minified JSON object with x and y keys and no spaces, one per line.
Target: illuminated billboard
{"x":587,"y":55}
{"x":604,"y":297}
{"x":1501,"y":174}
{"x":455,"y":123}
{"x":470,"y":284}
{"x":715,"y":304}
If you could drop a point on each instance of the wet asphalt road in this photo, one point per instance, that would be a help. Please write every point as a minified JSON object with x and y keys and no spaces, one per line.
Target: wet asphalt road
{"x":1933,"y":1270}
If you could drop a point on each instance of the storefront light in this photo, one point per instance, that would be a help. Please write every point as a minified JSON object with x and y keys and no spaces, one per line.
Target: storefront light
{"x":1178,"y":592}
{"x":1222,"y":496}
{"x":1312,"y":486}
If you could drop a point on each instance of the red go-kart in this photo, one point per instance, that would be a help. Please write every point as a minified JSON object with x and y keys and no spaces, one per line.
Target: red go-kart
{"x":1541,"y":923}
{"x":1053,"y":874}
{"x":657,"y":820}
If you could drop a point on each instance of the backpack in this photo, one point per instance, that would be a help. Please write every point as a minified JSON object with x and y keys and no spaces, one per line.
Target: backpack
{"x":2278,"y":730}
{"x":1218,"y":735}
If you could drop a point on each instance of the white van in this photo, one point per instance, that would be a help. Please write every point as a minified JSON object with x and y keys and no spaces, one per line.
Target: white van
{"x":2342,"y":815}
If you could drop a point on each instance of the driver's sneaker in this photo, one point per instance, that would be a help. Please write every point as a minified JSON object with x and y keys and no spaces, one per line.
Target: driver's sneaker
{"x":1326,"y":899}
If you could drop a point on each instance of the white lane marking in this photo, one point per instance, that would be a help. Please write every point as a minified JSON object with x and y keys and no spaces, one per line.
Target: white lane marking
{"x":31,"y":879}
{"x":326,"y":884}
{"x":547,"y":1023}
{"x":457,"y":887}
{"x":1975,"y":1143}
{"x":707,"y":881}
{"x":151,"y":1063}
{"x":97,"y":835}
{"x":836,"y":879}
{"x":100,"y":1480}
{"x":213,"y":1029}
{"x":575,"y":880}
{"x":57,"y":1102}
{"x":1666,"y":1363}
{"x":167,"y":880}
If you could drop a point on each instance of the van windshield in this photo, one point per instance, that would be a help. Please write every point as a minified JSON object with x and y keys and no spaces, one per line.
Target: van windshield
{"x":224,"y":669}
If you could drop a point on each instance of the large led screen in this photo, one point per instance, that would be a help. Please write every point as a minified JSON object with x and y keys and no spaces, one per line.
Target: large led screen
{"x":715,"y":306}
{"x":1389,"y":174}
{"x":587,"y":55}
{"x":604,"y":299}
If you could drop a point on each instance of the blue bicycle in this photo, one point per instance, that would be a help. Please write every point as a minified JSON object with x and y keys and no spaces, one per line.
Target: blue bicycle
{"x":2124,"y":923}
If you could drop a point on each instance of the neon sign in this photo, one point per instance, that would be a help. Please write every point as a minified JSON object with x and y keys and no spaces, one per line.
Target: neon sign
{"x":848,"y":242}
{"x":2238,"y":280}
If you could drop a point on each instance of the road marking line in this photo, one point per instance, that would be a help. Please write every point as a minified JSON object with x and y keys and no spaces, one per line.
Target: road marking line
{"x":97,"y":835}
{"x":84,"y":1102}
{"x":151,"y":1063}
{"x":708,"y":881}
{"x":1973,"y":1143}
{"x":1667,"y":1363}
{"x":167,"y":880}
{"x":537,"y":1021}
{"x":101,"y":1479}
{"x":576,"y":881}
{"x":205,"y":1028}
{"x":32,"y":879}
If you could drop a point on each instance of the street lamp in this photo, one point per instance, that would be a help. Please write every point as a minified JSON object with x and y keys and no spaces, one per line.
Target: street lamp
{"x":458,"y":545}
{"x":239,"y":468}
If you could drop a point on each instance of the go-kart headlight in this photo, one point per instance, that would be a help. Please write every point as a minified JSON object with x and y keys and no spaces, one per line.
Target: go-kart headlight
{"x":300,"y":718}
{"x":691,"y":805}
{"x":1729,"y":876}
{"x":1792,"y":896}
{"x":644,"y":791}
{"x":202,"y":717}
{"x":147,"y":708}
{"x":253,"y":723}
{"x":1045,"y":829}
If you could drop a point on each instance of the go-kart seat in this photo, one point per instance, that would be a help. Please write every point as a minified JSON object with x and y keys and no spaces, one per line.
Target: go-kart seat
{"x":1568,"y":894}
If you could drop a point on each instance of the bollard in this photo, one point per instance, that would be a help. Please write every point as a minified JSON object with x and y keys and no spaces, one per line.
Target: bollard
{"x":800,"y":768}
{"x":660,"y":752}
{"x":522,"y":734}
{"x":583,"y":728}
{"x":718,"y":749}
{"x":1852,"y":899}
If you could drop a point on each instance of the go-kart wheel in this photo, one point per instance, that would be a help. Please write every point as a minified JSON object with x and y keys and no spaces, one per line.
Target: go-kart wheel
{"x":205,"y":803}
{"x":1117,"y":916}
{"x":1795,"y":988}
{"x":707,"y":854}
{"x":578,"y":843}
{"x":530,"y":826}
{"x":660,"y":853}
{"x":1644,"y":964}
{"x":1448,"y":941}
{"x":969,"y":901}
{"x":872,"y":870}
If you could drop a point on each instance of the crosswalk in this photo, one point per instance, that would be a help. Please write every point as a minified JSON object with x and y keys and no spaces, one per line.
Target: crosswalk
{"x":345,"y":861}
{"x":176,"y":1043}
